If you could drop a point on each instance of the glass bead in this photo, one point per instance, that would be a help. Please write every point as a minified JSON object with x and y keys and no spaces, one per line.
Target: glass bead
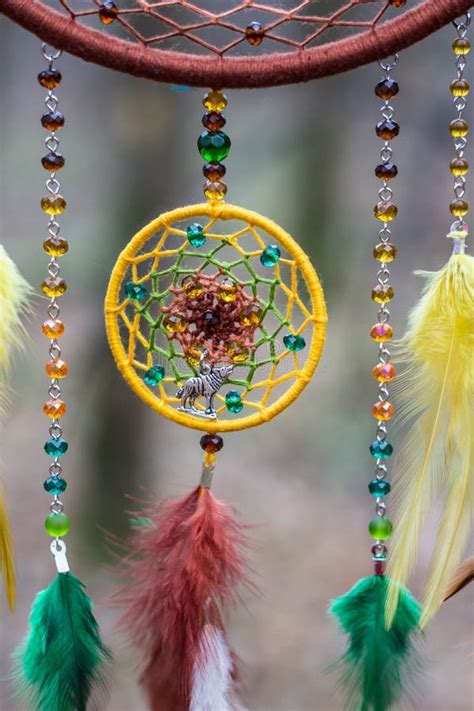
{"x":196,"y":237}
{"x":294,"y":342}
{"x":53,"y":286}
{"x":382,"y":293}
{"x":383,"y":372}
{"x":214,"y":101}
{"x":192,"y":286}
{"x":174,"y":323}
{"x":56,"y":246}
{"x":53,"y":205}
{"x":53,"y":162}
{"x":54,"y":408}
{"x":458,"y":128}
{"x":154,"y":375}
{"x":385,"y":211}
{"x":386,"y":89}
{"x":379,"y":488}
{"x":56,"y":447}
{"x":270,"y":255}
{"x":214,"y":146}
{"x":213,"y":121}
{"x":214,"y":171}
{"x":380,"y":449}
{"x":385,"y":252}
{"x":386,"y":171}
{"x":383,"y":410}
{"x":459,"y":87}
{"x":49,"y":78}
{"x":461,"y":46}
{"x":233,"y":402}
{"x":254,"y":33}
{"x":387,"y":129}
{"x":57,"y":369}
{"x":251,"y":315}
{"x":379,"y":552}
{"x":52,"y":328}
{"x":194,"y":353}
{"x":211,"y":443}
{"x":458,"y":208}
{"x":135,"y":292}
{"x":53,"y":120}
{"x":381,"y":332}
{"x":57,"y":525}
{"x":237,"y":352}
{"x":211,"y":319}
{"x":108,"y":11}
{"x":55,"y":485}
{"x":380,"y":528}
{"x":397,"y":3}
{"x":379,"y":568}
{"x":215,"y":190}
{"x":459,"y":166}
{"x":227,"y":291}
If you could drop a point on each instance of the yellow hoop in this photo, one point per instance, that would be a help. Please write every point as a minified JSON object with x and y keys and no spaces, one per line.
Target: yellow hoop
{"x":216,"y":211}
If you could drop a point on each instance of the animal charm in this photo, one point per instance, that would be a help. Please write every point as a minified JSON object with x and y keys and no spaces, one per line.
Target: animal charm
{"x":209,"y":381}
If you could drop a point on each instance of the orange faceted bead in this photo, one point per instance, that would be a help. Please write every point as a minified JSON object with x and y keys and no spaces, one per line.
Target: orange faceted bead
{"x":57,"y":368}
{"x":384,"y":372}
{"x":382,"y":293}
{"x":381,"y":332}
{"x":53,"y":286}
{"x":53,"y":205}
{"x":54,"y":408}
{"x":383,"y":410}
{"x":53,"y":328}
{"x":56,"y":246}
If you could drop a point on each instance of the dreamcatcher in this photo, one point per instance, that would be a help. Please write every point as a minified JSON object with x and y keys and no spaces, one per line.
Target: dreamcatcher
{"x":216,"y":320}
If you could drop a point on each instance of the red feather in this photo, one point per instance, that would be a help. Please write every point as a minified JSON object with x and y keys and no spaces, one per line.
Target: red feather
{"x":184,"y":570}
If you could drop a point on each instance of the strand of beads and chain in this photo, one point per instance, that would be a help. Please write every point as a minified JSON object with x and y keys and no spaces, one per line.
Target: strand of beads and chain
{"x":214,"y":145}
{"x":54,"y":286}
{"x":459,"y":129}
{"x":380,"y":527}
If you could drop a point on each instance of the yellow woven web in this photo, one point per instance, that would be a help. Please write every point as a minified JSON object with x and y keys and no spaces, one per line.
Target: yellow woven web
{"x":289,"y":295}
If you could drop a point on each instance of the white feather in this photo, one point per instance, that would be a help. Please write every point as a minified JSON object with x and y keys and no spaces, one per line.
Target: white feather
{"x":212,"y":682}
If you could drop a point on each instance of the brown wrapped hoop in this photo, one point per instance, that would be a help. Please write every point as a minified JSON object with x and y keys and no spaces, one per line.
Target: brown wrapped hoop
{"x":222,"y":70}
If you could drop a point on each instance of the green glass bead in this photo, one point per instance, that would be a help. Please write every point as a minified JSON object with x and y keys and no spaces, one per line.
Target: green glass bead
{"x":214,"y":146}
{"x":56,"y":447}
{"x":270,"y":256}
{"x":379,"y":487}
{"x":135,"y":292}
{"x":196,"y":237}
{"x":380,"y":528}
{"x":381,"y":449}
{"x":57,"y":524}
{"x":154,"y":375}
{"x":55,"y":485}
{"x":233,"y":402}
{"x":294,"y":343}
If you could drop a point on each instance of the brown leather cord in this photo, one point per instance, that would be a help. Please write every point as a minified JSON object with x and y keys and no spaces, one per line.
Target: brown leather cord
{"x":232,"y":72}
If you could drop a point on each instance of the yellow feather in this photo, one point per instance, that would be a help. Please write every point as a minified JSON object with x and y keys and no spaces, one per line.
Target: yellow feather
{"x":437,"y":399}
{"x":7,"y":561}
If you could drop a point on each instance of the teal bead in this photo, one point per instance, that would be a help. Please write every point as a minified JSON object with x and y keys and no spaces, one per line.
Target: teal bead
{"x":380,"y":528}
{"x":195,"y":234}
{"x":233,"y":402}
{"x":270,"y":256}
{"x":57,"y":524}
{"x":294,"y":343}
{"x":135,"y":292}
{"x":56,"y":447}
{"x":379,"y":487}
{"x":55,"y":485}
{"x":381,"y":449}
{"x":214,"y":146}
{"x":155,"y":375}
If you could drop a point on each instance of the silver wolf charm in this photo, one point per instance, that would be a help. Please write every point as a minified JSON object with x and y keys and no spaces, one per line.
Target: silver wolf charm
{"x":206,"y":384}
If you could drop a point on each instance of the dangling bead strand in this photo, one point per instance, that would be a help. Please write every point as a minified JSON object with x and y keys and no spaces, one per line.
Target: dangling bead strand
{"x":214,"y":145}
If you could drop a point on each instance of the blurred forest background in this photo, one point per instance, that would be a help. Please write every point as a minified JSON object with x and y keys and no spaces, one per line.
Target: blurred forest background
{"x":303,"y":155}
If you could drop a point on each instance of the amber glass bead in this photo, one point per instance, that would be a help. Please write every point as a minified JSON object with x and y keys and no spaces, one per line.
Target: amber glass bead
{"x":383,"y":410}
{"x":52,"y":328}
{"x":53,"y":286}
{"x":397,"y":3}
{"x":237,"y":352}
{"x":53,"y":205}
{"x":49,"y":78}
{"x":215,"y":190}
{"x":251,"y":315}
{"x":458,"y":208}
{"x":213,"y":121}
{"x":458,"y":128}
{"x":383,"y":372}
{"x":227,"y":291}
{"x":54,"y":408}
{"x":385,"y":252}
{"x":194,"y":353}
{"x":108,"y":11}
{"x":56,"y":246}
{"x":386,"y":171}
{"x":192,"y":287}
{"x":386,"y":89}
{"x":56,"y":368}
{"x":254,"y":33}
{"x":385,"y":211}
{"x":211,"y":443}
{"x":382,"y":293}
{"x":174,"y":323}
{"x":214,"y":171}
{"x":461,"y":46}
{"x":53,"y":162}
{"x":387,"y":129}
{"x":214,"y":101}
{"x":459,"y":87}
{"x":459,"y":166}
{"x":53,"y":120}
{"x":381,"y":332}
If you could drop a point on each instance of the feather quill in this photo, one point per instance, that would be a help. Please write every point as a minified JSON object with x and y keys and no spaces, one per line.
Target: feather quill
{"x":437,"y":397}
{"x":464,"y":575}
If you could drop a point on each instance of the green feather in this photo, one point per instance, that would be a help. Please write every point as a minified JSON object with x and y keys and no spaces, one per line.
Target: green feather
{"x":62,"y":657}
{"x":378,"y":663}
